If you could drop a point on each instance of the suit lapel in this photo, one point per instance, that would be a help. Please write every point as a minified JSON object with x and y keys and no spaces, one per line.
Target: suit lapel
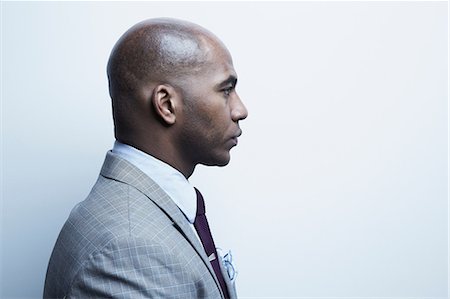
{"x":119,"y":169}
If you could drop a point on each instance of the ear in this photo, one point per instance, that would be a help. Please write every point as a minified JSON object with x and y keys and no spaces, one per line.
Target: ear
{"x":165,"y":102}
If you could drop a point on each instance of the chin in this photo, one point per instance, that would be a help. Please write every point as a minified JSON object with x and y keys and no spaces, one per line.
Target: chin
{"x":223,"y":163}
{"x":218,"y":160}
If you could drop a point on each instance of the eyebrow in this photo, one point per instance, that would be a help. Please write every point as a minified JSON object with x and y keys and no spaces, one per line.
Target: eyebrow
{"x":230,"y":80}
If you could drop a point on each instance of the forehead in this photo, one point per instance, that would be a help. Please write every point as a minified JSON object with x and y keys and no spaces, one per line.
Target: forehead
{"x":219,"y":64}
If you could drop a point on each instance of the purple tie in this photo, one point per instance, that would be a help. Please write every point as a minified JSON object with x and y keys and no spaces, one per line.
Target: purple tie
{"x":203,"y":231}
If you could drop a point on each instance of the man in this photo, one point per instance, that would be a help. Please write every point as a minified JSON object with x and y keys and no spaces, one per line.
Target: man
{"x":142,"y":232}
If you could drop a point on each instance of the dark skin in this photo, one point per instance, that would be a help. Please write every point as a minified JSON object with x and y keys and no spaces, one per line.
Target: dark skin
{"x":172,"y":85}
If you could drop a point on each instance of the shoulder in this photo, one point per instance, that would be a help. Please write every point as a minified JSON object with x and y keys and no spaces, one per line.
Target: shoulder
{"x":106,"y":222}
{"x":113,"y":210}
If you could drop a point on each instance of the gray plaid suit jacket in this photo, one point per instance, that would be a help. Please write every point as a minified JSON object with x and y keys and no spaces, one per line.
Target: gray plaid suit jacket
{"x":128,"y":239}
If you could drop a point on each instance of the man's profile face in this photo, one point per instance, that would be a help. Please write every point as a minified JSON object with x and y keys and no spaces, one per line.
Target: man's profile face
{"x":212,"y":109}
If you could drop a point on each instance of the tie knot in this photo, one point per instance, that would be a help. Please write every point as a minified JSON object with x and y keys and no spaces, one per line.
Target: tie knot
{"x":200,"y":203}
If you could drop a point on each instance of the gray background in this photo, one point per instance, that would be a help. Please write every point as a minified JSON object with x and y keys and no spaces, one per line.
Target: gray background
{"x":338,"y":187}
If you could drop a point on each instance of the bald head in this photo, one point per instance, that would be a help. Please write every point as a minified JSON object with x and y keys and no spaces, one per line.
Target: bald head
{"x":154,"y":51}
{"x":172,"y":88}
{"x":157,"y":50}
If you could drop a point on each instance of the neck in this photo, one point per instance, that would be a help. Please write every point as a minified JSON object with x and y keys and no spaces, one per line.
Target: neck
{"x":162,"y":151}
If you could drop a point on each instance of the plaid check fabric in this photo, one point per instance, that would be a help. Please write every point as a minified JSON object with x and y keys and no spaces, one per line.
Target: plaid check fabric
{"x":128,"y":240}
{"x":202,"y":228}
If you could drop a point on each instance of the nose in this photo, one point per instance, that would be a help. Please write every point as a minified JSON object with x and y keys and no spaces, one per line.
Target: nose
{"x":238,"y":109}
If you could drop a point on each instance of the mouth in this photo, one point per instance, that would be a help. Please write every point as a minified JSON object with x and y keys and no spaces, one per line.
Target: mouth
{"x":234,"y":139}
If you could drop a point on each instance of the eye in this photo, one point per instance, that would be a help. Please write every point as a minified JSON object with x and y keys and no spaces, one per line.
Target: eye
{"x":228,"y":91}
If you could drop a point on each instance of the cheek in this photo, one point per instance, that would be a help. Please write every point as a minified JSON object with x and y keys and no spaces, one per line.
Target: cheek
{"x":211,"y":111}
{"x":215,"y":123}
{"x":209,"y":118}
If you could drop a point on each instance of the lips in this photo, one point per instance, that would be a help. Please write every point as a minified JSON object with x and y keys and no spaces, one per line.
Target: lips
{"x":234,"y":139}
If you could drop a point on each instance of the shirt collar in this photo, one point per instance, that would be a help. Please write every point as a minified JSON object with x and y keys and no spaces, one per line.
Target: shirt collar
{"x":168,"y":178}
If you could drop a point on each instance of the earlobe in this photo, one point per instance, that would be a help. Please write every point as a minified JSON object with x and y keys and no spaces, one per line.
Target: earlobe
{"x":163,"y":101}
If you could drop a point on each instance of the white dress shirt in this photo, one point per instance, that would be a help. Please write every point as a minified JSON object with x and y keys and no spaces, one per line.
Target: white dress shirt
{"x":168,"y":178}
